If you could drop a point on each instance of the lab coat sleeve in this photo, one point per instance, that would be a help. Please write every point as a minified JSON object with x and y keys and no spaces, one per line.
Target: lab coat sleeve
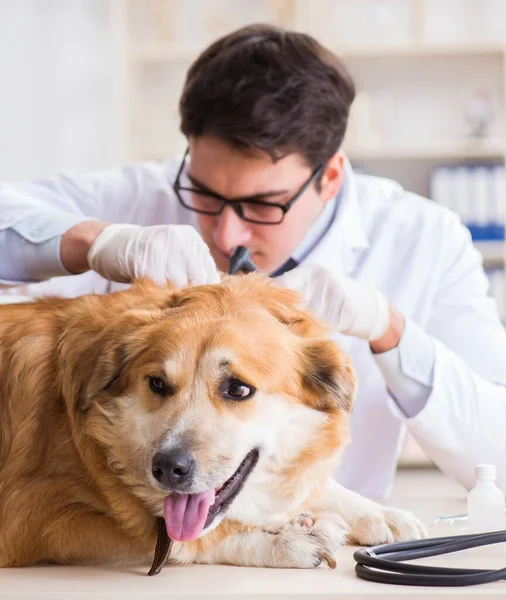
{"x":35,"y":214}
{"x":30,"y":249}
{"x":408,"y":369}
{"x":464,"y":420}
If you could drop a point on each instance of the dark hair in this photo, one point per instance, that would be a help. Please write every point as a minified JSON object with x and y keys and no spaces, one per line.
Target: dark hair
{"x":266,"y":88}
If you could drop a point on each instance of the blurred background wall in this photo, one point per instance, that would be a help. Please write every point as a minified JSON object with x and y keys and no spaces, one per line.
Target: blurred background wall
{"x":88,"y":84}
{"x":55,"y":86}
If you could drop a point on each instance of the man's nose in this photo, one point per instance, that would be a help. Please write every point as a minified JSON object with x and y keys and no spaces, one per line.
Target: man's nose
{"x":173,"y":468}
{"x":231,"y":231}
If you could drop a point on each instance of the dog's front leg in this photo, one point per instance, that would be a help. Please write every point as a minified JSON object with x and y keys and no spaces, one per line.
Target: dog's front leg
{"x":76,"y":537}
{"x":369,"y":523}
{"x":304,"y":542}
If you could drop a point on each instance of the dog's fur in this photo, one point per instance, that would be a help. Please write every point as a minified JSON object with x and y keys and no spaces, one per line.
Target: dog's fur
{"x":79,"y":427}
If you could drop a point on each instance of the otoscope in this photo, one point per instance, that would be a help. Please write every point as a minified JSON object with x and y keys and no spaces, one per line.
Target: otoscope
{"x":240,"y":261}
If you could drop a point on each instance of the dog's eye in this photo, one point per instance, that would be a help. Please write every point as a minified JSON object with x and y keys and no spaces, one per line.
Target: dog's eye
{"x":158,"y":386}
{"x":234,"y":389}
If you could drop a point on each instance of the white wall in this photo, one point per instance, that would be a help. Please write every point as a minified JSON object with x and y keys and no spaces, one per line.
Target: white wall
{"x":55,"y":87}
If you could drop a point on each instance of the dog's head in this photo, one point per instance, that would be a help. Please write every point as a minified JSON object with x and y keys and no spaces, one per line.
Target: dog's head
{"x":198,"y":393}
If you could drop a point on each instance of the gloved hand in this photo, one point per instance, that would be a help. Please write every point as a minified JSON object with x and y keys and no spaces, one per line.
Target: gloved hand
{"x":345,"y":305}
{"x":162,"y":252}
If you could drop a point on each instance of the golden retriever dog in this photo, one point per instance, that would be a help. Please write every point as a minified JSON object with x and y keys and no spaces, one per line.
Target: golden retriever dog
{"x":222,"y":409}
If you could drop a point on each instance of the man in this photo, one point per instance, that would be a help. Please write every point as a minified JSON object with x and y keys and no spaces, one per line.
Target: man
{"x":265,"y":113}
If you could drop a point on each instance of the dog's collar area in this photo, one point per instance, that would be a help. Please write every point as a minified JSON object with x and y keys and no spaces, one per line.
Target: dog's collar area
{"x":162,"y":549}
{"x":229,"y":490}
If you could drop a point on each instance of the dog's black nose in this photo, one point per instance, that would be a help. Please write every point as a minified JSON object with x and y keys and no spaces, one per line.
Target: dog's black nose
{"x":173,"y":468}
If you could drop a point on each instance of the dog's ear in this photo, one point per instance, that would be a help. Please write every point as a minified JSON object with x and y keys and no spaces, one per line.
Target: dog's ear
{"x":92,"y":363}
{"x":327,"y":379}
{"x":109,"y":375}
{"x":285,"y":305}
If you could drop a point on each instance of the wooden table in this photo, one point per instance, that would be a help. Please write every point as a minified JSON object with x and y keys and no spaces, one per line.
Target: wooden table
{"x":426,"y":492}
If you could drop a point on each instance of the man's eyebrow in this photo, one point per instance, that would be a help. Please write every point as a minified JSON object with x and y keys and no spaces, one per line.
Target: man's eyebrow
{"x":267,"y":194}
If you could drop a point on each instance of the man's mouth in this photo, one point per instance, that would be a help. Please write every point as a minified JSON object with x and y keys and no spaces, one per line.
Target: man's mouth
{"x":187,"y":515}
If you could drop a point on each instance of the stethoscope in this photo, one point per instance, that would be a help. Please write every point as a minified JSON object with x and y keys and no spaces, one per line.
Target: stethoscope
{"x":385,"y":563}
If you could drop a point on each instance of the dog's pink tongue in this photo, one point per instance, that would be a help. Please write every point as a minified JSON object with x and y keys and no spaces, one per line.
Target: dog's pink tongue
{"x":186,"y":514}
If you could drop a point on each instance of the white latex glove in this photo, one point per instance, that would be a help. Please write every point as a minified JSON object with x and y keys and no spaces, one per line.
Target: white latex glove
{"x":162,"y":252}
{"x":345,"y":305}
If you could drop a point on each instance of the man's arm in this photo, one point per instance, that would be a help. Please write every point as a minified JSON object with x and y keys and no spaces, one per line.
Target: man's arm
{"x":391,"y":338}
{"x":59,"y":250}
{"x":76,"y":243}
{"x":463,"y":422}
{"x":406,"y":359}
{"x":448,"y":380}
{"x":47,"y":227}
{"x":448,"y":376}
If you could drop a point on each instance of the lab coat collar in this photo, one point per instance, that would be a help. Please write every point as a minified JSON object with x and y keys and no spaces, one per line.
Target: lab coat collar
{"x":346,"y":238}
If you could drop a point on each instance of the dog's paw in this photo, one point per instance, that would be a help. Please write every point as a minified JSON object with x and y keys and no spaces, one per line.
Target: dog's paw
{"x":307,"y":541}
{"x":385,"y":525}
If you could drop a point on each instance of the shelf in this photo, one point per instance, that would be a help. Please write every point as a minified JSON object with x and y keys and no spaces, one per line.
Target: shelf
{"x":441,"y":150}
{"x":166,"y":52}
{"x":493,"y":252}
{"x":425,"y":49}
{"x":169,"y":52}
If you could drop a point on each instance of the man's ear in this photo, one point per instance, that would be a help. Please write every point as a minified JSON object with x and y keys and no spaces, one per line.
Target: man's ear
{"x":332,"y":178}
{"x":327,"y":378}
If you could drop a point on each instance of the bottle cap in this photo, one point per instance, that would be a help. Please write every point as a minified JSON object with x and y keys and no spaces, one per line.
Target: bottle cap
{"x":485,"y":472}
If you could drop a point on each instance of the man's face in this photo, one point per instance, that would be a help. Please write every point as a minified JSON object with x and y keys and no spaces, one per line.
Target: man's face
{"x":233,"y":174}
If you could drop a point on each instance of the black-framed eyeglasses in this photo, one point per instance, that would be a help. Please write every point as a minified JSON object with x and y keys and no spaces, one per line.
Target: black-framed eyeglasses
{"x":254,"y":211}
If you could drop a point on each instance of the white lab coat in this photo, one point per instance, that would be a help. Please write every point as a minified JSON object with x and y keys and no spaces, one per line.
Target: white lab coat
{"x":415,"y":251}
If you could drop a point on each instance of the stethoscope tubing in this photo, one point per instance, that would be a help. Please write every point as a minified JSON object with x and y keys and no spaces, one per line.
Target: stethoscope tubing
{"x":383,"y":563}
